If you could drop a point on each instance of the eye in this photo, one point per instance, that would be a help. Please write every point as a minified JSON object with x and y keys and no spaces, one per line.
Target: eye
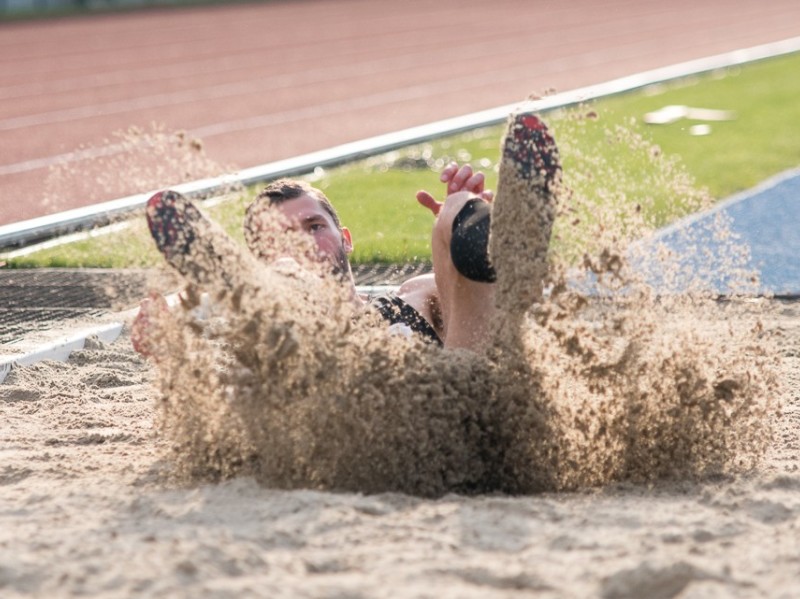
{"x":316,"y":227}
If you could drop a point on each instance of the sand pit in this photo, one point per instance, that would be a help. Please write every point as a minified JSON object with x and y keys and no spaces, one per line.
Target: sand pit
{"x":87,"y":507}
{"x":287,"y":447}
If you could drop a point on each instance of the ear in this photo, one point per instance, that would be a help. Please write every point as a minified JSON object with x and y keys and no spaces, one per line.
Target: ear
{"x":347,"y":240}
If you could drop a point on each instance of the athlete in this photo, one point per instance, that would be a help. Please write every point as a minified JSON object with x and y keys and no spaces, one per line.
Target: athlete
{"x":417,"y":307}
{"x":455,"y":305}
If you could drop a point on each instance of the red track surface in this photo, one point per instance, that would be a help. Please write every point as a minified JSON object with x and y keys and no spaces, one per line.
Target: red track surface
{"x":259,"y":82}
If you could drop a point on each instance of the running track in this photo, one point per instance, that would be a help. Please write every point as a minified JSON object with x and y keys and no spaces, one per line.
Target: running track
{"x":260,"y":82}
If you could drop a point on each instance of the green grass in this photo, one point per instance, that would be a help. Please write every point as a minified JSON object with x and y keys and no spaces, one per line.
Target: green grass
{"x":608,"y":158}
{"x":760,"y":142}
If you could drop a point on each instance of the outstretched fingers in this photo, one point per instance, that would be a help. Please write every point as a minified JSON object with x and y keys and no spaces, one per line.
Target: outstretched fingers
{"x":457,"y":179}
{"x":462,"y":179}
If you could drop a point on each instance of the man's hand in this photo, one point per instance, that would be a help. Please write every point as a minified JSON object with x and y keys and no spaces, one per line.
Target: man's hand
{"x":457,"y":179}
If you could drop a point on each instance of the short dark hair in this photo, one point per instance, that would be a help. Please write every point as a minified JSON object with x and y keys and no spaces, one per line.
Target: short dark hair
{"x":283,"y":190}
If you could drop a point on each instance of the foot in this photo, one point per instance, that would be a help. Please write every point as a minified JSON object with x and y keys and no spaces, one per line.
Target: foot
{"x":192,"y":244}
{"x":523,"y":213}
{"x":469,"y":245}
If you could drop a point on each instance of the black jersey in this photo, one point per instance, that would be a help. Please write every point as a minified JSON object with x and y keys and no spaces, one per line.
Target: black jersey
{"x":397,"y":311}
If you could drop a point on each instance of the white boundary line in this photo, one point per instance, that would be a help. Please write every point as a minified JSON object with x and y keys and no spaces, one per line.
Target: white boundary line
{"x":60,"y":349}
{"x":63,"y":345}
{"x":30,"y":231}
{"x":736,"y":198}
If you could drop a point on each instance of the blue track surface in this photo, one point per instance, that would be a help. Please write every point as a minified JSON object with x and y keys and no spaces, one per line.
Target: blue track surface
{"x":766,"y":218}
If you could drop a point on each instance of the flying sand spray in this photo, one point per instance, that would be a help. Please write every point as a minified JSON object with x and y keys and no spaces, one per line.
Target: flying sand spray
{"x":290,"y":382}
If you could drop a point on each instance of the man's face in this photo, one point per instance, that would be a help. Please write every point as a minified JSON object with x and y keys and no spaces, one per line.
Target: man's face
{"x":306,"y":214}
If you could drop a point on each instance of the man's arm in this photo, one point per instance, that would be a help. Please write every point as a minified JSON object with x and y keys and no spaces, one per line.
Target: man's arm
{"x":420,"y":292}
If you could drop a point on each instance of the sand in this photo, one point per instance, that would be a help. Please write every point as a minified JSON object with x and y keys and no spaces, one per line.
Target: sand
{"x":88,"y":507}
{"x":285,"y":448}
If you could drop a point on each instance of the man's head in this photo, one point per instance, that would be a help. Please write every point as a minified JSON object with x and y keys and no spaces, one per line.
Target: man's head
{"x":306,"y":209}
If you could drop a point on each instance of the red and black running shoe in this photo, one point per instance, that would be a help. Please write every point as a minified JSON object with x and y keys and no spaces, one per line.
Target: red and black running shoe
{"x":533,"y":150}
{"x":190,"y":243}
{"x":524,"y":212}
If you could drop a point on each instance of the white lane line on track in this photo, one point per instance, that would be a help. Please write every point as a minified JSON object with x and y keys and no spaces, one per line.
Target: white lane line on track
{"x":317,"y":75}
{"x":328,"y":108}
{"x":481,"y":43}
{"x":65,"y":158}
{"x":373,"y":100}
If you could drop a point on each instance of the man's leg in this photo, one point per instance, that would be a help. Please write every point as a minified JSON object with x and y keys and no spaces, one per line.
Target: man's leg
{"x":522,"y":218}
{"x":467,"y":305}
{"x":523,"y":214}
